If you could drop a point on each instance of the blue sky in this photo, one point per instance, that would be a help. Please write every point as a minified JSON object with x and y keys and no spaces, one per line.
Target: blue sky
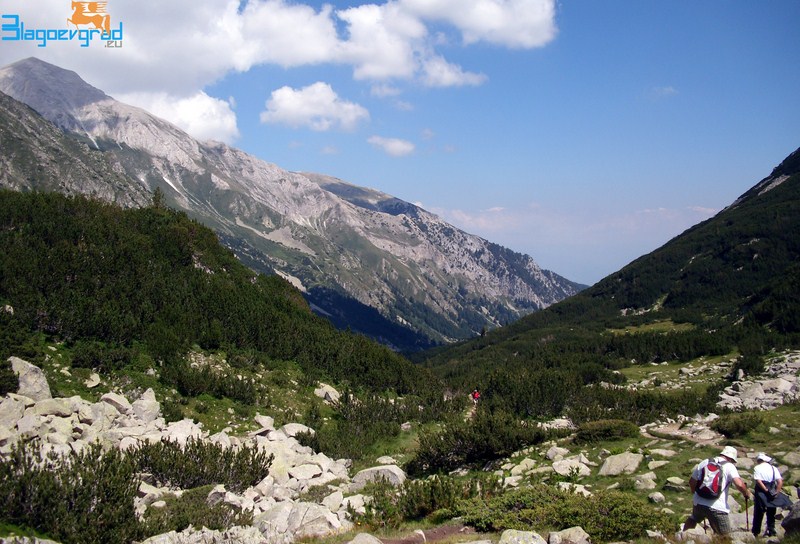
{"x":584,"y":134}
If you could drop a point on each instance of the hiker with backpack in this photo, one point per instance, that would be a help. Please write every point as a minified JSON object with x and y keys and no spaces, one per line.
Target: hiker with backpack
{"x":710,"y":482}
{"x":767,"y":485}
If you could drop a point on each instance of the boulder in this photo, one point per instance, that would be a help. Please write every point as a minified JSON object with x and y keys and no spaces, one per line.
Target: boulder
{"x":327,"y":393}
{"x":305,"y":472}
{"x":117,"y":401}
{"x":393,"y":474}
{"x":556,"y":451}
{"x":293,"y":429}
{"x":626,"y":463}
{"x":300,"y":520}
{"x":32,"y":381}
{"x":365,"y":538}
{"x":524,"y":466}
{"x":567,"y":467}
{"x":791,"y":521}
{"x":147,"y":408}
{"x":573,"y":535}
{"x":511,"y":536}
{"x":11,"y":411}
{"x":675,"y":483}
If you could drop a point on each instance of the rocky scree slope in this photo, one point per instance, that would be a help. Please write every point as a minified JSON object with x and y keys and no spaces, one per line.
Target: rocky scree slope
{"x":323,"y":234}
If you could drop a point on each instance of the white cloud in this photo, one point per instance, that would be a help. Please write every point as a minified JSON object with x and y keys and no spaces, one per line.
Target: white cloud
{"x":383,"y":90}
{"x":392,"y":146}
{"x":180,"y":47}
{"x":658,"y":93}
{"x":317,"y":107}
{"x":440,"y":73}
{"x":512,"y":23}
{"x":202,"y":116}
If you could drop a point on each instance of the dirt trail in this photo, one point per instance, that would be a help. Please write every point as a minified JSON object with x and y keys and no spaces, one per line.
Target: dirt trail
{"x":433,"y":535}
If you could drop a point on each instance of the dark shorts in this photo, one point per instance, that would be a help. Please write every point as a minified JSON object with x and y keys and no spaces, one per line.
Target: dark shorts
{"x":719,"y":521}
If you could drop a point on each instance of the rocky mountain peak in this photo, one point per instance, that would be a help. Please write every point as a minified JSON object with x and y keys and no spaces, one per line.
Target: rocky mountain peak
{"x":367,"y":260}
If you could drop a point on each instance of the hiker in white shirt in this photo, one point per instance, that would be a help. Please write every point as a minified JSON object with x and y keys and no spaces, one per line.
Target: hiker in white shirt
{"x":715,"y":510}
{"x":764,"y":474}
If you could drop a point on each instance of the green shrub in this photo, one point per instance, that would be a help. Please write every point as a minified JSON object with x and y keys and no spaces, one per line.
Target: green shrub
{"x":200,"y":463}
{"x":737,"y":425}
{"x":9,"y":383}
{"x":96,"y":355}
{"x":606,"y":429}
{"x":751,"y":365}
{"x":171,"y":411}
{"x":418,"y":499}
{"x":486,"y":437}
{"x":606,"y":515}
{"x":82,"y":498}
{"x":192,"y":509}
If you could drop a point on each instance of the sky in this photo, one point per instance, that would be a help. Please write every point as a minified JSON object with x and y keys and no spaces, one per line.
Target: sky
{"x":583,"y":133}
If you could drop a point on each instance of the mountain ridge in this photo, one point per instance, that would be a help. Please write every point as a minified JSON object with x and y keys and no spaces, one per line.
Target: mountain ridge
{"x":320,"y":233}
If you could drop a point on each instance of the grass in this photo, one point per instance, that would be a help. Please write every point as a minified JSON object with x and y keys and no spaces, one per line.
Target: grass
{"x":670,"y":371}
{"x":665,"y":326}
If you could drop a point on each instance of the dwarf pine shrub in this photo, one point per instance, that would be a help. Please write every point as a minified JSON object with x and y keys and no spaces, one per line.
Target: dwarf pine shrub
{"x":606,"y":515}
{"x":418,"y":499}
{"x":200,"y":463}
{"x":737,"y":425}
{"x":606,"y":429}
{"x":82,"y":498}
{"x":486,"y":437}
{"x":192,"y":508}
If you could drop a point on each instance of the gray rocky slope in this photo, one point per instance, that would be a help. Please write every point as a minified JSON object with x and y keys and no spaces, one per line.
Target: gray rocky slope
{"x":323,"y":234}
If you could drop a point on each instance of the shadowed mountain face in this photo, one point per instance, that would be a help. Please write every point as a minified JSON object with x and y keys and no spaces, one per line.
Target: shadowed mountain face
{"x":410,"y":278}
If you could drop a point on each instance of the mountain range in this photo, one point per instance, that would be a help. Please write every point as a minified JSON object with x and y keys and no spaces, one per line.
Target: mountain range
{"x":728,"y":285}
{"x":365,"y":259}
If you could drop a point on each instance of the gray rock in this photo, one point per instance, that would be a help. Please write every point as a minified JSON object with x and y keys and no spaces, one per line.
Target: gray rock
{"x":656,"y":497}
{"x":573,"y":535}
{"x":567,"y":467}
{"x":556,"y":451}
{"x":393,"y":474}
{"x":791,"y":521}
{"x":386,"y":460}
{"x":327,"y":393}
{"x":117,"y":401}
{"x":305,"y":472}
{"x":11,"y":411}
{"x":301,"y":520}
{"x":32,"y":381}
{"x":365,"y":538}
{"x":293,"y":429}
{"x":626,"y":463}
{"x":676,"y":484}
{"x":524,"y":466}
{"x":510,"y":536}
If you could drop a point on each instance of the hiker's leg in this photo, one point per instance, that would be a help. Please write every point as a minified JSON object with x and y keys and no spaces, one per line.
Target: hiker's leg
{"x":698,"y":514}
{"x":771,"y":521}
{"x":719,"y":521}
{"x":758,"y":515}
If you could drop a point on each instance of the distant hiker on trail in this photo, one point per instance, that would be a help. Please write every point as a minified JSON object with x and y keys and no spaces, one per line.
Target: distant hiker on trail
{"x":476,"y":395}
{"x":767,"y":485}
{"x":709,"y":482}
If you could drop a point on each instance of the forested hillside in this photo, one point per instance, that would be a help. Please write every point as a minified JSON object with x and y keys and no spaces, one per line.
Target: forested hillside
{"x":118,"y":283}
{"x":726,"y":286}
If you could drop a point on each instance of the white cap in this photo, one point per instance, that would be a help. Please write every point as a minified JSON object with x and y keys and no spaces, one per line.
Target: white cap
{"x":730,"y":453}
{"x":763,"y":457}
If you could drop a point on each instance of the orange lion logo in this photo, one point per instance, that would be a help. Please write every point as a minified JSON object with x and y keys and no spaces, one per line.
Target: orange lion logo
{"x":91,"y":13}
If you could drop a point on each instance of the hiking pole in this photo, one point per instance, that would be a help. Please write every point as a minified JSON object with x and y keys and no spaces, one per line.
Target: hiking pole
{"x":747,"y":513}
